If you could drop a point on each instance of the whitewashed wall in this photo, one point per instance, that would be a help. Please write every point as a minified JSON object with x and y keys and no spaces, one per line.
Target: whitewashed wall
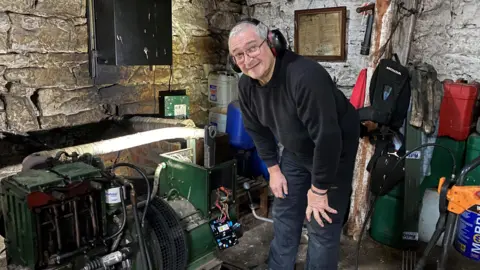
{"x":447,"y":35}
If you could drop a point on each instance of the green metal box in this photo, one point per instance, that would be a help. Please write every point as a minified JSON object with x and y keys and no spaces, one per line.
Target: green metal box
{"x":174,"y":104}
{"x":183,"y":179}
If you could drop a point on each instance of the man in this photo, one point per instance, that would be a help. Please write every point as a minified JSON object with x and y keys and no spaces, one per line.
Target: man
{"x":293,"y":100}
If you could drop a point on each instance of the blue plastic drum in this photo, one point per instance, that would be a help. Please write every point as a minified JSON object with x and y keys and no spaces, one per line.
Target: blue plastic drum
{"x":237,"y":134}
{"x":259,"y":167}
{"x":467,"y":240}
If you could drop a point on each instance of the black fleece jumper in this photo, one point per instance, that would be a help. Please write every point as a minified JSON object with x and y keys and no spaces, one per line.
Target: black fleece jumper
{"x":301,"y":108}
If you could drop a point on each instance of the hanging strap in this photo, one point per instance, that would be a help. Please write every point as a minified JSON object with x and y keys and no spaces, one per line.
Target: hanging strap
{"x":396,"y":58}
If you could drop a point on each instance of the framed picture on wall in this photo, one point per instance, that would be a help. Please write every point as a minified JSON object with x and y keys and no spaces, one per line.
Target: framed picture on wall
{"x":320,"y":33}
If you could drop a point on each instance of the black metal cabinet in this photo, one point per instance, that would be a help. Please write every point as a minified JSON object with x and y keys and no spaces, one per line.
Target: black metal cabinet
{"x":133,"y":32}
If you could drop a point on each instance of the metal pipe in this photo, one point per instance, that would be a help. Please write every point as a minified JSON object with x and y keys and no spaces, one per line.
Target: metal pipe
{"x":144,"y":123}
{"x":77,"y":225}
{"x":93,"y":214}
{"x":57,"y":227}
{"x":129,"y":141}
{"x":259,"y":217}
{"x":116,"y":144}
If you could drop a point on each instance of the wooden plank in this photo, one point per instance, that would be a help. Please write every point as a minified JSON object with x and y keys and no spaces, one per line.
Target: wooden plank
{"x":402,"y":39}
{"x":384,"y":12}
{"x":401,"y":44}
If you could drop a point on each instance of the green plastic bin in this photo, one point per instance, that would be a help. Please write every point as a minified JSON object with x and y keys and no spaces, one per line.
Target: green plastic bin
{"x":441,"y":163}
{"x":387,"y":220}
{"x":472,"y":152}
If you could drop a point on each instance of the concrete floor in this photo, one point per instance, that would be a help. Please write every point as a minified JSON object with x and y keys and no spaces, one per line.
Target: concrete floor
{"x":252,"y":251}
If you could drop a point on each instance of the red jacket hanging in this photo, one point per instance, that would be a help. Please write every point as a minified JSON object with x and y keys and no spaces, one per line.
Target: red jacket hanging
{"x":358,"y":94}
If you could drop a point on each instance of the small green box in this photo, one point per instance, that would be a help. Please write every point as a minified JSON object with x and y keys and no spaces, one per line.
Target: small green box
{"x":174,"y":104}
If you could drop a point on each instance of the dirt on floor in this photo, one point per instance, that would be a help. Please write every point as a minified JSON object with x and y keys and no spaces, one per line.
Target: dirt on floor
{"x":252,"y":252}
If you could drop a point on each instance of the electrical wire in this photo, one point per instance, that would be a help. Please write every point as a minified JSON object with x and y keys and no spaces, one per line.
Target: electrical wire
{"x":136,"y":168}
{"x":374,"y":198}
{"x":222,"y":203}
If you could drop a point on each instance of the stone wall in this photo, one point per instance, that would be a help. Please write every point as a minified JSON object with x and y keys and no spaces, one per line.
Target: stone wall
{"x":446,"y":35}
{"x":44,"y":80}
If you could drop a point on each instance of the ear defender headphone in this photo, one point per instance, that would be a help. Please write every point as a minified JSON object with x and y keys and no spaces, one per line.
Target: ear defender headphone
{"x":275,"y":41}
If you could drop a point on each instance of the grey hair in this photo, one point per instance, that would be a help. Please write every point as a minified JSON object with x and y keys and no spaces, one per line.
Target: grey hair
{"x":261,"y":29}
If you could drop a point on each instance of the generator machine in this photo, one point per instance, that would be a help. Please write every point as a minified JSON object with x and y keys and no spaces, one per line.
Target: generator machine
{"x":70,"y":211}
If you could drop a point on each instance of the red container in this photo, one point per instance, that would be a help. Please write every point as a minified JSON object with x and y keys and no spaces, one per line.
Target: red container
{"x":458,"y":108}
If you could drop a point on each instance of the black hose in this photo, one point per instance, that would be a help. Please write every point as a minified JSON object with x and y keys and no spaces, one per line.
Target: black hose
{"x":136,"y":168}
{"x":133,"y":199}
{"x":466,"y":169}
{"x":454,"y":163}
{"x":364,"y":226}
{"x":138,"y":227}
{"x":374,"y":198}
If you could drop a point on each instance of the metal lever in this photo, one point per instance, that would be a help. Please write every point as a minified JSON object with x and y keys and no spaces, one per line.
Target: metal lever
{"x":246,"y":186}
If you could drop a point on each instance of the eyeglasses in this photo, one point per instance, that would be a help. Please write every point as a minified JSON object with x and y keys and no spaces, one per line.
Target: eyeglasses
{"x":252,"y":52}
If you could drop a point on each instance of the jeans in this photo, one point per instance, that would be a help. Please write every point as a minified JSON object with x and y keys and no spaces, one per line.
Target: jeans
{"x":289,"y":214}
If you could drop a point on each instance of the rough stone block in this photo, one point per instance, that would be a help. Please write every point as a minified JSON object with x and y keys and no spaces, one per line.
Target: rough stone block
{"x":20,"y":114}
{"x":4,"y":27}
{"x":54,"y":101}
{"x":41,"y":77}
{"x":195,"y":45}
{"x":143,"y":107}
{"x":64,"y":8}
{"x":61,"y":120}
{"x":257,"y":2}
{"x":121,"y":94}
{"x":3,"y":82}
{"x":188,"y":74}
{"x":137,"y":75}
{"x":229,"y":7}
{"x":43,"y":60}
{"x":223,"y":20}
{"x":37,"y":34}
{"x":197,"y":92}
{"x":187,"y":21}
{"x":3,"y":43}
{"x":82,"y":75}
{"x":20,"y":90}
{"x":141,"y":75}
{"x":3,"y":121}
{"x":185,"y":60}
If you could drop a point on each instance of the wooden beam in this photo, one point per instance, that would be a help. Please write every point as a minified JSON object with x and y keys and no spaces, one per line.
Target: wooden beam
{"x":403,"y":37}
{"x":382,"y":27}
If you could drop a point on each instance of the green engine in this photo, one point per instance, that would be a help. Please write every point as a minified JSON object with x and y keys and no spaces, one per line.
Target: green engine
{"x":76,"y":214}
{"x":73,"y":213}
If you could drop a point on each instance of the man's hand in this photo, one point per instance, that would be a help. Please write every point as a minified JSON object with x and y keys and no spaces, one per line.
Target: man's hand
{"x":278,"y":183}
{"x":371,"y":126}
{"x":318,"y":205}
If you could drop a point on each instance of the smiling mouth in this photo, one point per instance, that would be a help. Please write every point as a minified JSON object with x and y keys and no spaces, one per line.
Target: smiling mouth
{"x":253,"y":66}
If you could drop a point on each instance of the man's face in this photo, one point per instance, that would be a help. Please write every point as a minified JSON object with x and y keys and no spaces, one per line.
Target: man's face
{"x":252,"y":54}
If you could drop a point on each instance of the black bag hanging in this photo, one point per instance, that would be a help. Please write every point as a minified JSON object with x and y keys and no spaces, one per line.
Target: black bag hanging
{"x":389,"y":94}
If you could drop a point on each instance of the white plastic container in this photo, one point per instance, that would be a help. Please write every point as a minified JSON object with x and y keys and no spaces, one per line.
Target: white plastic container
{"x":218,"y":117}
{"x":222,"y":88}
{"x":429,"y":214}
